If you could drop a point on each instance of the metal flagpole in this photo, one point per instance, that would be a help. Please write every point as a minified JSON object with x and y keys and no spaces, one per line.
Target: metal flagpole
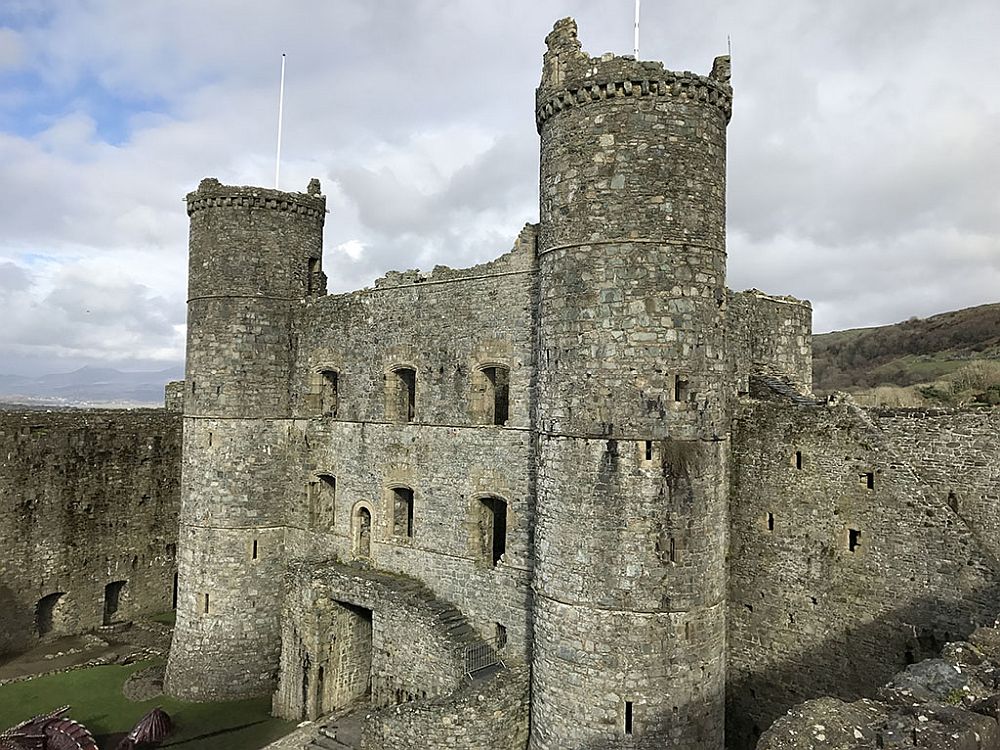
{"x":281,"y":106}
{"x":637,"y":29}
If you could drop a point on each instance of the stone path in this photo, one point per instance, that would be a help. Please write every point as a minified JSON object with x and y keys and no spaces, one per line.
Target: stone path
{"x":341,"y":732}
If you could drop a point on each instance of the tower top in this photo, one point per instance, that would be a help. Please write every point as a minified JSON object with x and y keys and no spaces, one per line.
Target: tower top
{"x":212,"y":193}
{"x":571,"y":77}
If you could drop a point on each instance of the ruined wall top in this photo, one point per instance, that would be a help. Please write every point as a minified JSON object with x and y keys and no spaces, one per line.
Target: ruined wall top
{"x":571,"y":77}
{"x":212,"y":193}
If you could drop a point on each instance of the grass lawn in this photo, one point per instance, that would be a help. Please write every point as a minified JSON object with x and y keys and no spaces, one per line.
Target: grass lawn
{"x":95,"y":695}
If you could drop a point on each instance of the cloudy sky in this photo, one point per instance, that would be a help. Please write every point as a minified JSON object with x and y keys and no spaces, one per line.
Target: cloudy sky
{"x":864,"y":149}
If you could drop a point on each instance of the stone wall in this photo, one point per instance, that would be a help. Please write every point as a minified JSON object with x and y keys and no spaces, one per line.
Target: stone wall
{"x":847,"y":560}
{"x":769,"y":336}
{"x":486,"y":716}
{"x":87,"y":499}
{"x":446,"y":326}
{"x":409,"y":650}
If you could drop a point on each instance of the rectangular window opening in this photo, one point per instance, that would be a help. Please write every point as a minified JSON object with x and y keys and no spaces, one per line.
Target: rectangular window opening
{"x":253,"y":553}
{"x":498,"y":393}
{"x":628,"y":717}
{"x":853,"y":539}
{"x":402,"y":512}
{"x":798,"y":459}
{"x":673,"y":550}
{"x":649,"y":450}
{"x":501,"y":635}
{"x":680,"y":386}
{"x":204,"y":603}
{"x":868,"y":479}
{"x":770,"y":521}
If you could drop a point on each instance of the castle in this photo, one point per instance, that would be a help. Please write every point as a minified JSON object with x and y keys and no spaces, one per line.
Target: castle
{"x":576,"y":497}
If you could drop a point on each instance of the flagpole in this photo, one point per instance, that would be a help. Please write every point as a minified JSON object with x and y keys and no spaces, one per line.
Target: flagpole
{"x":637,"y":29}
{"x":281,"y":107}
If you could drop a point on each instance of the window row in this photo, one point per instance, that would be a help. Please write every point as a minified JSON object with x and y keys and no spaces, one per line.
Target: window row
{"x":490,"y":401}
{"x":321,"y":497}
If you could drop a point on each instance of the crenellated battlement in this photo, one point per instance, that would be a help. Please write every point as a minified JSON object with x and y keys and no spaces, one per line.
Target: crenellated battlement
{"x":213,"y":194}
{"x":571,"y":77}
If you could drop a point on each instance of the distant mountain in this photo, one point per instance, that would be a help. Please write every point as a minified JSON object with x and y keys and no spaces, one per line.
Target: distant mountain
{"x":937,"y":358}
{"x":89,"y":386}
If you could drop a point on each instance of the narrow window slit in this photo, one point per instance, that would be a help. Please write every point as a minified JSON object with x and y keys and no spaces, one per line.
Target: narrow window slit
{"x":798,"y":459}
{"x":770,"y":521}
{"x":628,"y":717}
{"x":649,"y":450}
{"x":253,"y":553}
{"x":853,"y":539}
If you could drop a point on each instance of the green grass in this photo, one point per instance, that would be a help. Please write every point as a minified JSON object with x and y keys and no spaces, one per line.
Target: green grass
{"x":167,"y":618}
{"x":95,"y":695}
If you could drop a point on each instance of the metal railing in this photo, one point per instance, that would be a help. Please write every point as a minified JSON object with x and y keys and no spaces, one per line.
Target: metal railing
{"x":480,"y":656}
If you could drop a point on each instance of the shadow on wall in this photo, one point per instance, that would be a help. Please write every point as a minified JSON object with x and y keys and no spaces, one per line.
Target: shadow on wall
{"x":16,"y":626}
{"x":854,"y":664}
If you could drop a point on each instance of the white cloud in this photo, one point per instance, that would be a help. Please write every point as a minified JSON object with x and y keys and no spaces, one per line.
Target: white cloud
{"x":862,"y":152}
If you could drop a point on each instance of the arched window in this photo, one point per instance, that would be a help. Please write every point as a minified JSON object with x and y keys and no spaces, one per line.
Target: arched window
{"x":401,"y":394}
{"x":492,"y":525}
{"x":362,"y":533}
{"x":491,"y":395}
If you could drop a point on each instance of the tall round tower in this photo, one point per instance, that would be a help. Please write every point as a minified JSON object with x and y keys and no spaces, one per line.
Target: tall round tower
{"x":254,"y":257}
{"x":632,"y":416}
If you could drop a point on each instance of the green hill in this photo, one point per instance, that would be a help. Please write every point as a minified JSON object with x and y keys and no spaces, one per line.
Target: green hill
{"x":948,"y":359}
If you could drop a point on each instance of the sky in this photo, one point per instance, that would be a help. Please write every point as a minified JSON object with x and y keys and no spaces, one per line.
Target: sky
{"x":864,"y":155}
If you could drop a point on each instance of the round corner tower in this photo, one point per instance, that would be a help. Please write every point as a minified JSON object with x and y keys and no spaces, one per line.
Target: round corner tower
{"x":632,"y":415}
{"x":254,"y":255}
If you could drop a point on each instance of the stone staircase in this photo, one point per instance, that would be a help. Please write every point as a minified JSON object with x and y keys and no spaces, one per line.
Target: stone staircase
{"x":342,"y":731}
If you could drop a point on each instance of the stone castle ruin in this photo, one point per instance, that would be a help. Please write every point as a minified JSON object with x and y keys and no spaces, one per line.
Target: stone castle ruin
{"x":580,"y":496}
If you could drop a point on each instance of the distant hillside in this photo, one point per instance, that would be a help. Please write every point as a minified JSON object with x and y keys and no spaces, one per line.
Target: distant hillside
{"x":947,"y":359}
{"x":89,"y":386}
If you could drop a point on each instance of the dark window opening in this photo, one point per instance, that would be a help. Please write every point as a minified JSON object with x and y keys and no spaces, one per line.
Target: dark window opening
{"x":204,"y":603}
{"x":498,"y":394}
{"x":628,"y":717}
{"x":209,"y":439}
{"x":45,"y":613}
{"x":322,"y":502}
{"x":649,"y":450}
{"x":687,"y":631}
{"x":173,"y":599}
{"x":673,"y":550}
{"x":112,"y":600}
{"x":253,"y":552}
{"x":501,"y":635}
{"x":402,"y":394}
{"x":798,"y":459}
{"x":329,"y":392}
{"x":680,"y":388}
{"x":868,"y":478}
{"x":493,"y":528}
{"x":770,"y":521}
{"x":908,"y":657}
{"x":853,"y":539}
{"x":402,"y":511}
{"x":612,"y":448}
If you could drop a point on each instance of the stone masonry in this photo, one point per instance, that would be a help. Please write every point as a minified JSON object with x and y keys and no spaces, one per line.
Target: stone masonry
{"x":579,"y":496}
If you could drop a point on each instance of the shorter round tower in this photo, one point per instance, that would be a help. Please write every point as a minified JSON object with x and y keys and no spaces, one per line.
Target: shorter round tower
{"x":254,"y":256}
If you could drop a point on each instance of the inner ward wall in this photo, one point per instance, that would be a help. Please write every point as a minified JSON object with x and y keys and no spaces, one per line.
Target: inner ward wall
{"x":847,"y":560}
{"x":87,"y":498}
{"x":446,"y":327}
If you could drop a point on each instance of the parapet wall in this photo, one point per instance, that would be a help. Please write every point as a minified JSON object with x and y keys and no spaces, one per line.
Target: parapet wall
{"x":490,"y":716}
{"x":847,"y":560}
{"x":771,"y":336}
{"x":87,"y":499}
